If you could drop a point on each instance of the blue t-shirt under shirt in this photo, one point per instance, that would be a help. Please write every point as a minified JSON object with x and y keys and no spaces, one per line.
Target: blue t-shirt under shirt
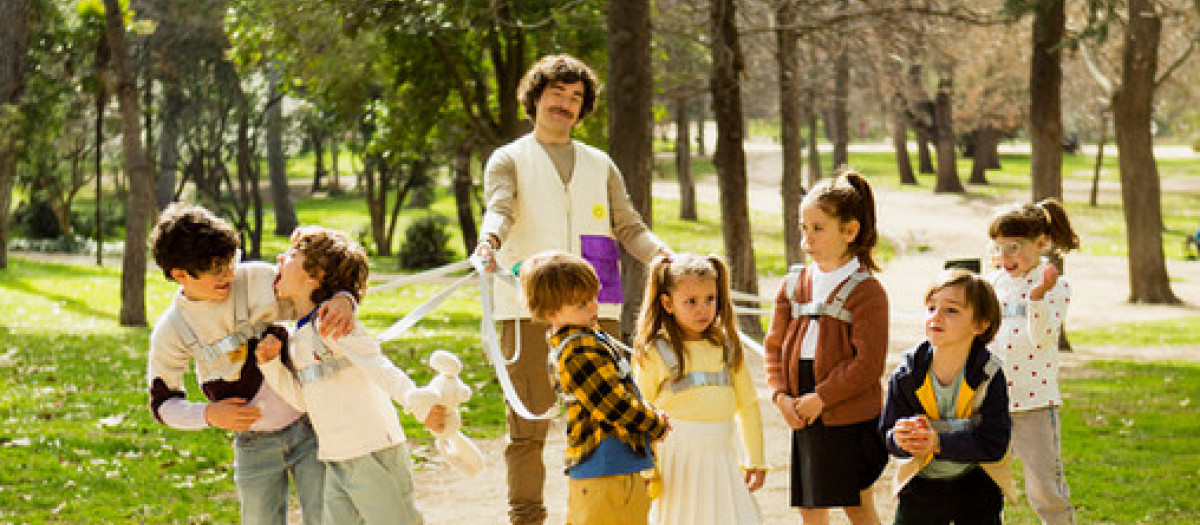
{"x":612,"y":457}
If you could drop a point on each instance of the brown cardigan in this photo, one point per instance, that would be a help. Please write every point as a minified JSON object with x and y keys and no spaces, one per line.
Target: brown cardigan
{"x":850,"y":356}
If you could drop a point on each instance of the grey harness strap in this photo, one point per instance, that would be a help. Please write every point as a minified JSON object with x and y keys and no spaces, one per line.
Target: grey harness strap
{"x":962,"y":425}
{"x":623,"y":366}
{"x":327,"y":365}
{"x":835,"y":307}
{"x":690,"y":379}
{"x":1017,"y":309}
{"x":243,"y":330}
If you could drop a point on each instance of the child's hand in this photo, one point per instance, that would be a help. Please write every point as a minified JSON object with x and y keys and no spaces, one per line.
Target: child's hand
{"x":1048,"y":280}
{"x":915,"y":436}
{"x":809,"y":408}
{"x":231,"y":414}
{"x":755,"y":477}
{"x":436,"y":420}
{"x":666,"y":420}
{"x":787,"y":408}
{"x":336,"y":316}
{"x":268,"y":348}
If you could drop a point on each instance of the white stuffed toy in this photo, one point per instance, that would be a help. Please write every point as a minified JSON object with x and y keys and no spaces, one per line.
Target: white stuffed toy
{"x":448,"y":390}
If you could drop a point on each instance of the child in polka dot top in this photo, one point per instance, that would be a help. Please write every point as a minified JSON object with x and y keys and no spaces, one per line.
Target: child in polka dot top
{"x":1033,"y":299}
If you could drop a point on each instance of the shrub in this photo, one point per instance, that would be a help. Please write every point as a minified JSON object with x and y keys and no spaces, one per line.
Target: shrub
{"x":37,"y":220}
{"x":426,"y":243}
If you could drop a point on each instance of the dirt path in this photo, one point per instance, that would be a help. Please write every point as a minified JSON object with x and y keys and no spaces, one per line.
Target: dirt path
{"x":957,"y":229}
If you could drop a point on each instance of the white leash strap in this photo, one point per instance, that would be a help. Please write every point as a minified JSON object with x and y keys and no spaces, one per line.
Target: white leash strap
{"x":423,"y":277}
{"x":747,"y":342}
{"x":491,"y":347}
{"x":420,"y":312}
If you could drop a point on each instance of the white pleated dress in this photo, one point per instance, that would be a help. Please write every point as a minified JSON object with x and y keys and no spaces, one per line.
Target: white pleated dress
{"x":712,"y":427}
{"x":702,"y":483}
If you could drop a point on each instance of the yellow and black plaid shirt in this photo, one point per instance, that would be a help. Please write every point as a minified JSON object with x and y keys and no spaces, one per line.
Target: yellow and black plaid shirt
{"x":602,"y":400}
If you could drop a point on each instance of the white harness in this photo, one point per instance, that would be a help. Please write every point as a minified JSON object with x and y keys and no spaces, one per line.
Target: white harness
{"x":1011,"y":310}
{"x":609,"y":344}
{"x":327,"y":365}
{"x":690,"y":379}
{"x":835,"y":307}
{"x":243,"y":331}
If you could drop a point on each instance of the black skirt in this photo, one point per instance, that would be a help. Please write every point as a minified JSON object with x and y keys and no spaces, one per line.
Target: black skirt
{"x":831,"y":465}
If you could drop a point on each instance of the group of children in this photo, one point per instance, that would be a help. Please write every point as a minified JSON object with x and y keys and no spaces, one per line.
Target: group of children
{"x":982,"y":384}
{"x":653,"y":432}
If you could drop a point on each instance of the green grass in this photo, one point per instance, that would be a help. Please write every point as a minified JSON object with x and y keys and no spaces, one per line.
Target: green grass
{"x":1129,"y":444}
{"x":1184,"y":331}
{"x":65,"y":366}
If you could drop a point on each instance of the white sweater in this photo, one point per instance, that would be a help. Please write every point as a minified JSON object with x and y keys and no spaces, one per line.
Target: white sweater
{"x":351,"y":410}
{"x":212,"y":320}
{"x":1028,"y":344}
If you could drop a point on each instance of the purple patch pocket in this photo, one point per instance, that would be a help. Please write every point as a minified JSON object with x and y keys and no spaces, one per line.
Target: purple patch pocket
{"x":605,"y":257}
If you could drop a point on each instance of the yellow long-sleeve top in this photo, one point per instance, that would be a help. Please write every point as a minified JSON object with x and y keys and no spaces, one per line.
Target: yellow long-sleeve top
{"x":708,"y":404}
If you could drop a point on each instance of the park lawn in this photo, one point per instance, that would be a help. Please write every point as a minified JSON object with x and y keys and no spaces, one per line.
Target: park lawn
{"x":78,"y":445}
{"x":1129,"y":444}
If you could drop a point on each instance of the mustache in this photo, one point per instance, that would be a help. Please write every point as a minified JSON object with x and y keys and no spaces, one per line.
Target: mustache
{"x":561,"y":110}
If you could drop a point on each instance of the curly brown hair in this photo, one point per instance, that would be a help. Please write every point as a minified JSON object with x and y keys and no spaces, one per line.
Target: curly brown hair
{"x":191,"y":238}
{"x":338,"y":262}
{"x":564,"y":69}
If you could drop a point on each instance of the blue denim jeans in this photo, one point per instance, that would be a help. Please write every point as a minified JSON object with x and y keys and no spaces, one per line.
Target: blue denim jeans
{"x":265,"y":460}
{"x":371,"y":489}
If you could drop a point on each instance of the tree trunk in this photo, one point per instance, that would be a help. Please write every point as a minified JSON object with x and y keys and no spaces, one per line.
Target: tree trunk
{"x":101,"y":101}
{"x":462,"y":196}
{"x":168,"y":143}
{"x":14,"y":44}
{"x":285,"y":211}
{"x":900,"y":140}
{"x":985,"y":143}
{"x":1045,"y":99}
{"x":318,"y":144}
{"x":814,"y":155}
{"x":839,"y":116}
{"x":943,"y":118}
{"x":248,"y":179}
{"x":1094,"y":197}
{"x":730,"y":157}
{"x":335,"y":172}
{"x":701,"y":128}
{"x":791,"y":188}
{"x":683,"y":160}
{"x":921,"y":115}
{"x":1133,"y":108}
{"x":630,"y":110}
{"x":140,"y":199}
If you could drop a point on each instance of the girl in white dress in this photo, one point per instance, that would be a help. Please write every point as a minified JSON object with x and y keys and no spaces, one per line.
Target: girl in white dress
{"x":688,"y":363}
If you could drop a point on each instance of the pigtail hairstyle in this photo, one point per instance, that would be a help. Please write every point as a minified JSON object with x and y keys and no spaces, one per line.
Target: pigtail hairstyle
{"x":1058,"y":226}
{"x":654,"y":317}
{"x":665,"y":272}
{"x":849,"y":197}
{"x":337,"y":262}
{"x":1030,"y":221}
{"x":724,"y":329}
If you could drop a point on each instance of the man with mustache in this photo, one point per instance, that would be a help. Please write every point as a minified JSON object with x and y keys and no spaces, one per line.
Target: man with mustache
{"x":547,"y":191}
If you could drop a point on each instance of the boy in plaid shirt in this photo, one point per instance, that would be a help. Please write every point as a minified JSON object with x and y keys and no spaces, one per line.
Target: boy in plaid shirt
{"x":609,"y":426}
